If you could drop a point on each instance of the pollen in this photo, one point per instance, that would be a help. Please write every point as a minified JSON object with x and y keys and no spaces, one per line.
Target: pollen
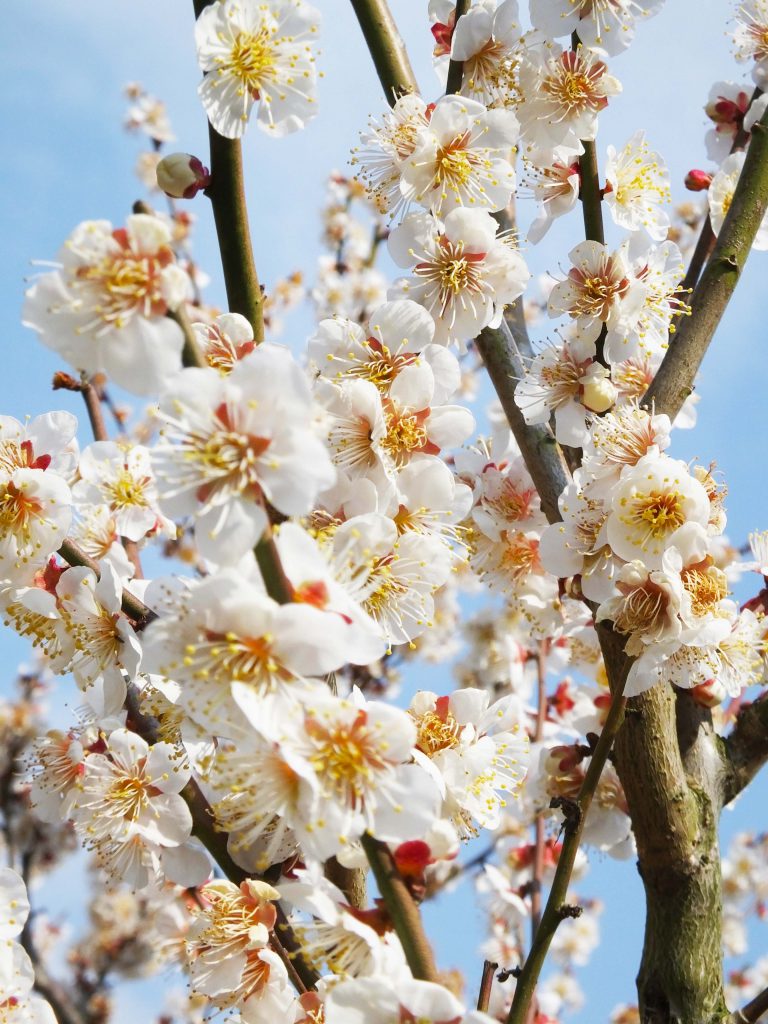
{"x":658,"y":513}
{"x":251,"y":59}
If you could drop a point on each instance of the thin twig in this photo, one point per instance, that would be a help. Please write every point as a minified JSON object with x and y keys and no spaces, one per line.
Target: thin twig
{"x":589,"y":192}
{"x":63,"y":1005}
{"x":556,"y":909}
{"x":456,"y":67}
{"x":402,"y":909}
{"x":190,"y":354}
{"x":543,"y":455}
{"x":753,"y":1011}
{"x":538,"y":849}
{"x":92,"y":400}
{"x":132,"y":606}
{"x":486,"y":984}
{"x":387,"y":48}
{"x":591,"y":198}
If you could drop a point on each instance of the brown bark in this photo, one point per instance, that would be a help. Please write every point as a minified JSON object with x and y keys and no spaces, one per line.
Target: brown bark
{"x":672,"y":768}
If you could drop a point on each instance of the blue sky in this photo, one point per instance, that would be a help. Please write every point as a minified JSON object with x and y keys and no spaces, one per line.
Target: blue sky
{"x":66,"y":158}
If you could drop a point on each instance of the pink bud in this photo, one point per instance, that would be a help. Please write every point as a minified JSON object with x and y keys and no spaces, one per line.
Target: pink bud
{"x":709,"y":693}
{"x":181,"y":175}
{"x":697,"y":181}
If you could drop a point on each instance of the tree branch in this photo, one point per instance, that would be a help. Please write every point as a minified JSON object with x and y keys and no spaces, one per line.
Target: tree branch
{"x":190,"y":354}
{"x":746,"y":747}
{"x":486,"y":984}
{"x":402,"y":909}
{"x":204,"y":829}
{"x":456,"y":67}
{"x":674,"y":380}
{"x":543,"y":455}
{"x":132,"y":606}
{"x":386,"y":47}
{"x":707,"y":236}
{"x":753,"y":1011}
{"x":555,"y":910}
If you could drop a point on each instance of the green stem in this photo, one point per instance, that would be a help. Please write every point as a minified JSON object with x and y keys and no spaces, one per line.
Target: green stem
{"x":674,"y":380}
{"x":190,"y":354}
{"x":386,"y":47}
{"x":590,"y":194}
{"x":591,"y":198}
{"x":456,"y":67}
{"x":402,"y":909}
{"x":554,"y":912}
{"x":227,"y":195}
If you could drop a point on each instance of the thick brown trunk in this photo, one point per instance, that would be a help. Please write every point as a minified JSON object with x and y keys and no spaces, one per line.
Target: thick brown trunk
{"x":671,"y":766}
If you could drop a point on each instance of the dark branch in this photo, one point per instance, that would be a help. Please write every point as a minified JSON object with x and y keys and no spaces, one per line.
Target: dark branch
{"x":543,"y":455}
{"x":747,"y":747}
{"x":674,"y":381}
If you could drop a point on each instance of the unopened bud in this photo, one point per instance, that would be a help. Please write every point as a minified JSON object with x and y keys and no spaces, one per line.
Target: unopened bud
{"x":697,"y":181}
{"x":598,"y":390}
{"x":710,"y":693}
{"x":181,"y":175}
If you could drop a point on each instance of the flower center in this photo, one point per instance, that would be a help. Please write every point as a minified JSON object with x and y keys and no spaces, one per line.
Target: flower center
{"x":17,"y":510}
{"x":388,"y":591}
{"x":520,"y":555}
{"x":127,"y":491}
{"x":597,"y":289}
{"x":435,"y":733}
{"x":129,"y":796}
{"x":345,"y":755}
{"x":252,"y":59}
{"x":454,"y":165}
{"x":659,"y":513}
{"x":707,"y":586}
{"x":229,"y":658}
{"x":127,"y":282}
{"x":405,"y":434}
{"x":574,"y":83}
{"x":759,"y":35}
{"x":643,"y":609}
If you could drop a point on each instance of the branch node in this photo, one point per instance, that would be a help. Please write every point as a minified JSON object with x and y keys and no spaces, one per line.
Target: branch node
{"x":571,"y":812}
{"x":509,"y":972}
{"x":566,"y":910}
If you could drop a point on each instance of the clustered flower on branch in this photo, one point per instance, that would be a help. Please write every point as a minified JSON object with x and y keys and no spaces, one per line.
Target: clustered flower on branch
{"x":324,"y":518}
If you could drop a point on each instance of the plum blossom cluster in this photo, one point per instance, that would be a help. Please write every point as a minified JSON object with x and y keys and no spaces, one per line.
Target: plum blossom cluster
{"x":328,"y":515}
